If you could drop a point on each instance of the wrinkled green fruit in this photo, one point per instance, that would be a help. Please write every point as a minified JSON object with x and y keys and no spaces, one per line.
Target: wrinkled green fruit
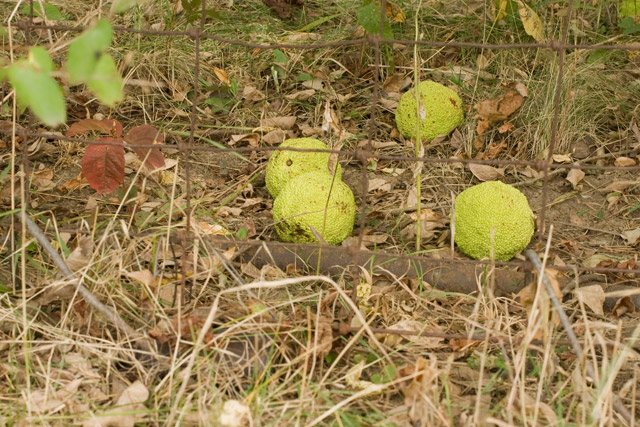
{"x":440,"y":111}
{"x":302,"y":205}
{"x":492,"y":220}
{"x":284,"y":165}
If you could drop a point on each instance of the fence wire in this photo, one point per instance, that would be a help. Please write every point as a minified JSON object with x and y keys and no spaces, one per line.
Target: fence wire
{"x":361,"y":154}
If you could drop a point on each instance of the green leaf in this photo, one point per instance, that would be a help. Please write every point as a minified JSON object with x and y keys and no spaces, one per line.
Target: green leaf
{"x":40,"y":59}
{"x":51,"y":12}
{"x":85,"y":51}
{"x":119,"y":6}
{"x":369,"y":17}
{"x":36,"y":89}
{"x":105,"y":81}
{"x":279,"y":57}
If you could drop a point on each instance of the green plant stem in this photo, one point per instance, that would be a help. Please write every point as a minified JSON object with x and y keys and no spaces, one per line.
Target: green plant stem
{"x":416,"y":82}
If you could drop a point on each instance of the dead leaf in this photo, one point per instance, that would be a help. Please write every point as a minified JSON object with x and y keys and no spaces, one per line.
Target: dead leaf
{"x":352,"y":378}
{"x":575,"y":176}
{"x":631,"y":236}
{"x":281,"y":122}
{"x":274,"y":137}
{"x":252,"y":138}
{"x":222,"y":75}
{"x":394,"y":83}
{"x":624,"y":162}
{"x":330,"y":119}
{"x":593,"y":297}
{"x":143,"y":276}
{"x":623,"y":306}
{"x":301,"y":95}
{"x":43,"y":401}
{"x":42,"y":179}
{"x":416,"y":326}
{"x":619,"y":186}
{"x":394,"y":12}
{"x":235,"y":414}
{"x":81,"y":255}
{"x":129,"y":408}
{"x":577,"y":220}
{"x":531,"y":22}
{"x":482,"y":62}
{"x":494,"y":110}
{"x":522,"y":89}
{"x":379,"y":184}
{"x":74,"y":183}
{"x":324,"y":337}
{"x":562,"y":158}
{"x":485,"y":172}
{"x":505,"y":127}
{"x":252,"y":94}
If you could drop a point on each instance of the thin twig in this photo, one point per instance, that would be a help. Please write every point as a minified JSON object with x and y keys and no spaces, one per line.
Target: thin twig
{"x":107,"y":312}
{"x":566,"y":324}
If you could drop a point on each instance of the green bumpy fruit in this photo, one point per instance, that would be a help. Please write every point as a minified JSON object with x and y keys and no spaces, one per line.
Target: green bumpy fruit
{"x":440,"y":111}
{"x":629,"y":9}
{"x":284,"y":165}
{"x":302,"y":204}
{"x":496,"y":208}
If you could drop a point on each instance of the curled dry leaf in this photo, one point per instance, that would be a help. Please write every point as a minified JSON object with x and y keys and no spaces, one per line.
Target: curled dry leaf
{"x":485,"y":172}
{"x":631,"y":236}
{"x":252,"y":94}
{"x":494,"y":110}
{"x":619,"y":186}
{"x":222,"y":75}
{"x":624,"y":162}
{"x":416,"y":326}
{"x":379,"y":184}
{"x":562,"y":158}
{"x":575,"y":176}
{"x":302,"y":95}
{"x":81,"y":255}
{"x":593,"y":297}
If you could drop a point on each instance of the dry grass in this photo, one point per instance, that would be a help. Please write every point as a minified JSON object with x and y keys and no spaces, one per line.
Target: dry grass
{"x":282,"y":344}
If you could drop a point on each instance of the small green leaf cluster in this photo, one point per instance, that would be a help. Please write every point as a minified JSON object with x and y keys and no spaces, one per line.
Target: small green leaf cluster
{"x":88,"y":63}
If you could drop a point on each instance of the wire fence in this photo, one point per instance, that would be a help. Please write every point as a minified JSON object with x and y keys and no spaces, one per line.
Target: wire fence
{"x":355,"y":253}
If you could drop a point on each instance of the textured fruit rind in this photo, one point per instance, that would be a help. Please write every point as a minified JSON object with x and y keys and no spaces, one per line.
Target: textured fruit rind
{"x":284,"y":165}
{"x":302,"y":203}
{"x":498,"y":206}
{"x":440,"y":111}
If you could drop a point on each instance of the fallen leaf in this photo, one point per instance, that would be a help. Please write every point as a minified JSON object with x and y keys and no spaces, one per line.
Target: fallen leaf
{"x":624,"y":162}
{"x":352,"y":378}
{"x":485,"y":172}
{"x":41,"y":401}
{"x":252,"y":94}
{"x":379,"y":184}
{"x":252,"y":138}
{"x":631,"y":236}
{"x":235,"y":414}
{"x":111,"y":127}
{"x":282,"y":122}
{"x":562,"y":158}
{"x":301,"y":95}
{"x":416,"y":326}
{"x":143,"y":276}
{"x":394,"y":12}
{"x":81,"y":255}
{"x":522,"y":89}
{"x":394,"y":83}
{"x":619,"y":186}
{"x":103,"y":165}
{"x":274,"y":137}
{"x":146,"y":135}
{"x":129,"y":408}
{"x":222,"y":75}
{"x":506,"y":127}
{"x":531,"y":22}
{"x":494,"y":110}
{"x":575,"y":176}
{"x":593,"y":297}
{"x":42,"y":179}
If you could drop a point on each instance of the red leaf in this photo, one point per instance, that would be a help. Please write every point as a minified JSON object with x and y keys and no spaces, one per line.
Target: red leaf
{"x":112,"y":127}
{"x":145,"y":135}
{"x":103,"y":166}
